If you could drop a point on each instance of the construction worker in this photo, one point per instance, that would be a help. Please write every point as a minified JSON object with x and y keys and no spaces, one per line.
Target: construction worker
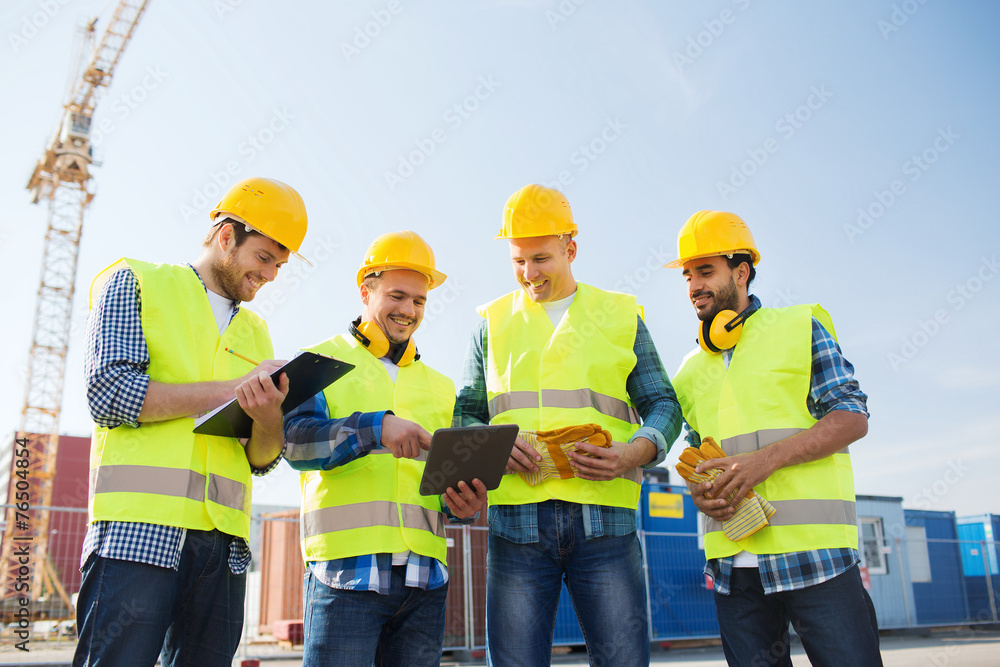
{"x":165,"y":556}
{"x":771,"y":386}
{"x":553,"y":354}
{"x":376,"y":579}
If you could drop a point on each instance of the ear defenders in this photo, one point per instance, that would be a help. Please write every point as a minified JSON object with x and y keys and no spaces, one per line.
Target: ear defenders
{"x":373,"y":339}
{"x":724,"y":330}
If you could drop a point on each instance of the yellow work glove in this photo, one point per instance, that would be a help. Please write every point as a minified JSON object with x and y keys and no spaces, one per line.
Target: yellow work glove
{"x":752,"y":511}
{"x":555,"y":444}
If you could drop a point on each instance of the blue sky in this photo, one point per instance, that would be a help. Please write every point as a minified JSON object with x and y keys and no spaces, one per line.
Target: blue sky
{"x":857,"y":139}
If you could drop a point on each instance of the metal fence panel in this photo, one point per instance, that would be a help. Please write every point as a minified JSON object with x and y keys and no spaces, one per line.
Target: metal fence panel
{"x":946,"y":582}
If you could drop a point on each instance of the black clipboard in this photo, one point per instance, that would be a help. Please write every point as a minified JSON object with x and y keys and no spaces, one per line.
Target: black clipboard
{"x":465,"y":453}
{"x":308,"y":374}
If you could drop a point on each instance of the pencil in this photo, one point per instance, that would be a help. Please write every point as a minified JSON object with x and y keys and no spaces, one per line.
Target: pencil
{"x":246,"y":359}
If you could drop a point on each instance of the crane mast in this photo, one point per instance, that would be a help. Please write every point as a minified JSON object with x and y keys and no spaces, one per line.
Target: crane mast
{"x":61,"y":178}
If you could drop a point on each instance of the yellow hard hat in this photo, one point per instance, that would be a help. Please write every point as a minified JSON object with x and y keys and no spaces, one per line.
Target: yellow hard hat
{"x":271,"y":207}
{"x":536,"y":210}
{"x":712,"y":233}
{"x":400,"y":250}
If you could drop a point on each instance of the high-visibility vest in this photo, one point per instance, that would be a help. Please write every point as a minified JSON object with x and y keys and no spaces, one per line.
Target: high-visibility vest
{"x":761,"y":399}
{"x":372,"y":505}
{"x":543,"y":377}
{"x":162,"y":472}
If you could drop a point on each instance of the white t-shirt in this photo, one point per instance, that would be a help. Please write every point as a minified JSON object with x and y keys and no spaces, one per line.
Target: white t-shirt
{"x":556,"y":309}
{"x":222,"y":309}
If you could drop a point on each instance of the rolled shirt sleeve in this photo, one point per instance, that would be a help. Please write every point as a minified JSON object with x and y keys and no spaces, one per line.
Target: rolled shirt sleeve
{"x":650,"y":390}
{"x":116,"y":358}
{"x":315,"y":441}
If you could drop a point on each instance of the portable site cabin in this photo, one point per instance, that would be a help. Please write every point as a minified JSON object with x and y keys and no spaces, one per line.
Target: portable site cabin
{"x":883,"y":554}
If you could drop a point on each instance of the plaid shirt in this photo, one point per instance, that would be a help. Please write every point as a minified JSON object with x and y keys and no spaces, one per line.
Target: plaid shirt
{"x":650,"y":390}
{"x":832,"y":387}
{"x":115,"y":369}
{"x":317,"y":442}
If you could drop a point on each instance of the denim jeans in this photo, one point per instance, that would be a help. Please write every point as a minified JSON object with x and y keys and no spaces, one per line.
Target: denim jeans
{"x":356,"y":628}
{"x":835,"y":621}
{"x":604,"y":579}
{"x":128,"y":611}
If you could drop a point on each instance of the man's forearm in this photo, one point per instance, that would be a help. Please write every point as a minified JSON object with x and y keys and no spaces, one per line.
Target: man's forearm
{"x":171,"y":401}
{"x":826,"y":437}
{"x":643,"y":451}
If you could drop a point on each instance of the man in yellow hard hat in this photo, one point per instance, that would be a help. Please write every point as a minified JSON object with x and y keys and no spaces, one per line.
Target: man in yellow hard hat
{"x":165,"y":556}
{"x":554,"y":354}
{"x":377,"y":579}
{"x":773,"y":388}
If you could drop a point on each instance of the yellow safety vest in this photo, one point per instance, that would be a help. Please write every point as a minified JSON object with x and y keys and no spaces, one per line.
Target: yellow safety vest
{"x":372,"y":505}
{"x":544,"y":377}
{"x":761,"y":399}
{"x":162,"y":472}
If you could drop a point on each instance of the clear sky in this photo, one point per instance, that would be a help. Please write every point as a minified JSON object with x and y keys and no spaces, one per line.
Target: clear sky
{"x":858,"y":140}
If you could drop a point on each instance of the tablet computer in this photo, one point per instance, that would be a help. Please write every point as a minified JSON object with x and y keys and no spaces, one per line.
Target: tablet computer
{"x":308,"y":374}
{"x":466,"y":453}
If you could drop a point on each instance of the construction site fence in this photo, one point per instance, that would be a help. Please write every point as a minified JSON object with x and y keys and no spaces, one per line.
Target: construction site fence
{"x":918,"y":584}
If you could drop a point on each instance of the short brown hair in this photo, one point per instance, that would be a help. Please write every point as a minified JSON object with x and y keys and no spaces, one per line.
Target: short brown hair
{"x":240,"y":232}
{"x":372,"y":280}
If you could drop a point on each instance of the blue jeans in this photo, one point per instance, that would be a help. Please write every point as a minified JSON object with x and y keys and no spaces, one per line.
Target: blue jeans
{"x":604,"y":579}
{"x":127,"y":611}
{"x":356,"y":628}
{"x":835,"y":621}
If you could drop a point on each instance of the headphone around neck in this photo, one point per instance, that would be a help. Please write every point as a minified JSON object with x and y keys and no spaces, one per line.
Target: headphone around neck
{"x":724,"y":330}
{"x":373,"y":339}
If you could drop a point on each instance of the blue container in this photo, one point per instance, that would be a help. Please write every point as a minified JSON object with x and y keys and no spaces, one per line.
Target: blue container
{"x":935,"y":562}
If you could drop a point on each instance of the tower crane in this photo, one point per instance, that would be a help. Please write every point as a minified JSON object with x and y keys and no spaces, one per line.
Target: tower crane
{"x":62,"y":179}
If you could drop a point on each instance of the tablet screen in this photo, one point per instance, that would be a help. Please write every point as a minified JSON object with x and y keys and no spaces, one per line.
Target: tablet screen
{"x":466,"y":453}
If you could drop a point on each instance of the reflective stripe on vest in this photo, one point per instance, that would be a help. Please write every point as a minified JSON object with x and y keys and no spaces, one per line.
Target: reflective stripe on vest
{"x":565,"y":398}
{"x":361,"y":515}
{"x":161,"y":472}
{"x":751,"y":442}
{"x":174,"y":482}
{"x":371,"y":504}
{"x":814,"y":501}
{"x":541,"y":377}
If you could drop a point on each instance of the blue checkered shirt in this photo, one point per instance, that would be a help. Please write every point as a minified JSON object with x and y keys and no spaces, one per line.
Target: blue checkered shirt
{"x":832,"y":387}
{"x":115,"y":370}
{"x":649,"y":389}
{"x":317,"y":442}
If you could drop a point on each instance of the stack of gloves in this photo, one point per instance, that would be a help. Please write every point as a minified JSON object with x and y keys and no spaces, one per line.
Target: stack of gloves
{"x":752,"y":512}
{"x":555,"y":444}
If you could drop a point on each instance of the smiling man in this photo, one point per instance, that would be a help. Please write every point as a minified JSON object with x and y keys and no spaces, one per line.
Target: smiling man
{"x":377,"y":579}
{"x":553,"y":354}
{"x":166,"y":551}
{"x":773,"y":388}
